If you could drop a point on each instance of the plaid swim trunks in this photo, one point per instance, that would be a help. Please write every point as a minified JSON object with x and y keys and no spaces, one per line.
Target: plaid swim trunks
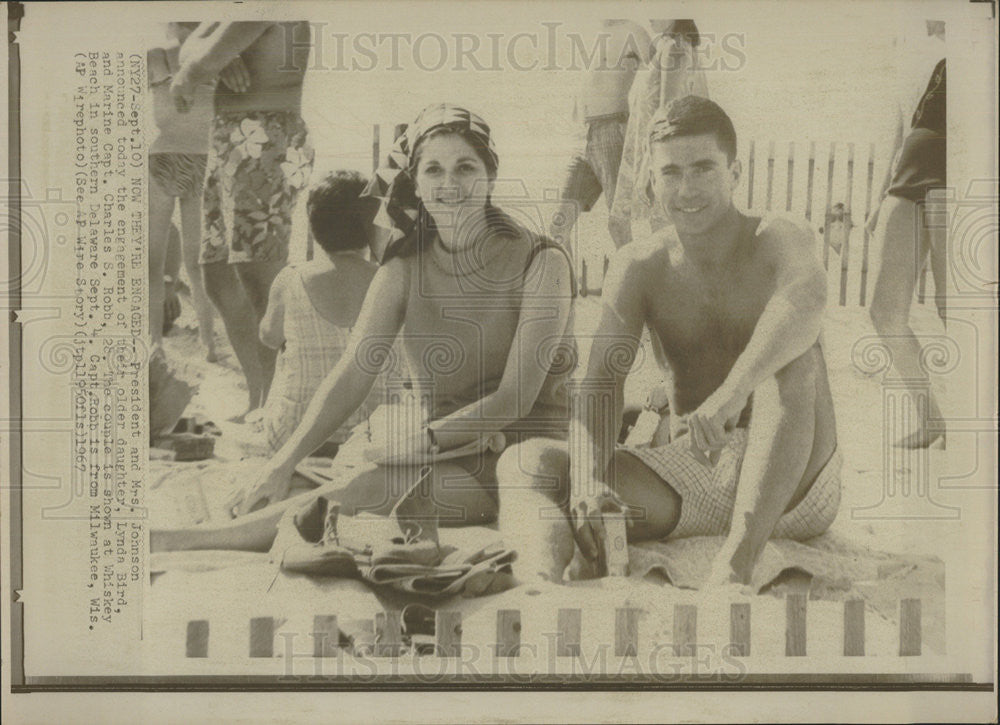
{"x":593,"y":170}
{"x":258,"y":163}
{"x":708,"y":495}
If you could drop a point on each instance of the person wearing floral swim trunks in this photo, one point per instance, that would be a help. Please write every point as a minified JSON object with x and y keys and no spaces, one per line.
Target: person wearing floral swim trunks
{"x":259,"y":160}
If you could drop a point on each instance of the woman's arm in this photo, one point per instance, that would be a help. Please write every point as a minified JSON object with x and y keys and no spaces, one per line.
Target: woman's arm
{"x":543,"y":321}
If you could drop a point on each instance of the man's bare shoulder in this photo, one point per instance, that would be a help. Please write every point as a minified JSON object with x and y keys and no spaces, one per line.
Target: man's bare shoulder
{"x":651,"y":249}
{"x":786,"y":235}
{"x":640,"y":265}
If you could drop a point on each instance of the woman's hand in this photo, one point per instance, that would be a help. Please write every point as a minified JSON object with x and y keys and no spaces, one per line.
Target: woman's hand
{"x":271,"y":486}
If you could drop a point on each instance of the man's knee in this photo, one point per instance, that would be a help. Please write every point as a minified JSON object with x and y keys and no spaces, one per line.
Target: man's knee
{"x":538,"y":464}
{"x":795,"y":383}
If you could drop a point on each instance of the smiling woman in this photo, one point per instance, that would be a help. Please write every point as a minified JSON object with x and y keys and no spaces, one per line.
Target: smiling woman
{"x":483,"y":309}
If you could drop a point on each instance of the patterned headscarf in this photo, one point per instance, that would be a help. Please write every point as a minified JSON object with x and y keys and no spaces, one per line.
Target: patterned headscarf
{"x":393,"y":184}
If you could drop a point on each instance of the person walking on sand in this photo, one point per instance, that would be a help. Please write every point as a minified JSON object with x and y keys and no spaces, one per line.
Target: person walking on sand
{"x":672,"y":73}
{"x":905,"y":239}
{"x":259,"y":160}
{"x":601,"y":112}
{"x":736,"y":304}
{"x":177,"y":158}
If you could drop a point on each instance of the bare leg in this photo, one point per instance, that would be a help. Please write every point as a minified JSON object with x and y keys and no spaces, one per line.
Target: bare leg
{"x":791,"y":437}
{"x":460,"y":501}
{"x":229,"y":297}
{"x":257,"y":278}
{"x":563,"y":221}
{"x":620,"y":230}
{"x":171,"y":268}
{"x":161,"y":208}
{"x":903,"y":253}
{"x":534,"y":490}
{"x":190,"y":246}
{"x":937,"y":244}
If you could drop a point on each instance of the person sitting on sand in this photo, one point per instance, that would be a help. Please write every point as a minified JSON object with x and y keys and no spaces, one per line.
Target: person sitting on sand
{"x":313,"y":307}
{"x":736,"y":304}
{"x":484,"y":306}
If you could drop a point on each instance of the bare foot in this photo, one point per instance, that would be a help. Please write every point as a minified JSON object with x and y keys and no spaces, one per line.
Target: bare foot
{"x":211,"y":354}
{"x":243,"y":417}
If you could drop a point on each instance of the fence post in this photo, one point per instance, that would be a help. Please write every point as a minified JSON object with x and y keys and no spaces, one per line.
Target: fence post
{"x":866,"y":238}
{"x":809,"y":180}
{"x":829,"y":205}
{"x":770,"y":175}
{"x":791,"y":175}
{"x":845,"y":247}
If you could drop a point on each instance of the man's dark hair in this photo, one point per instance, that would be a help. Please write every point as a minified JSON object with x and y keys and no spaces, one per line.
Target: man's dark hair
{"x":336,"y":213}
{"x":694,"y":116}
{"x":684,"y":29}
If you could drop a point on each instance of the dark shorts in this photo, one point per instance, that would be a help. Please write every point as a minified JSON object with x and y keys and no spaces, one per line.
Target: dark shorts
{"x":258,"y":163}
{"x":922,"y":165}
{"x":593,"y":170}
{"x":178,"y":175}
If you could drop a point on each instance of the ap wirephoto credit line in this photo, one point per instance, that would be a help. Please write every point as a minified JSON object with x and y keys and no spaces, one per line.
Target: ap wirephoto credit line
{"x":574,"y":348}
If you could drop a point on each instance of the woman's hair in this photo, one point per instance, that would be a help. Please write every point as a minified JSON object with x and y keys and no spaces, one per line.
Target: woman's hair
{"x":474,"y":140}
{"x":337,"y":213}
{"x":497,"y":222}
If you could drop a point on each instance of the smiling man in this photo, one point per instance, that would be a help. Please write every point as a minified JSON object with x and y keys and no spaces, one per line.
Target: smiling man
{"x":735,"y":303}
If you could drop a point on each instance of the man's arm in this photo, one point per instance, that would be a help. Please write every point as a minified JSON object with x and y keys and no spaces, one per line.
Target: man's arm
{"x":209,"y":49}
{"x":212,"y":46}
{"x":789,"y":325}
{"x":595,"y":420}
{"x":791,"y":321}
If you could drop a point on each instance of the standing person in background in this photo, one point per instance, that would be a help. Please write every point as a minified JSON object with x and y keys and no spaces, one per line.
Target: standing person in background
{"x":258,"y":162}
{"x":177,"y":159}
{"x":672,"y":73}
{"x":906,"y":239}
{"x":601,"y":110}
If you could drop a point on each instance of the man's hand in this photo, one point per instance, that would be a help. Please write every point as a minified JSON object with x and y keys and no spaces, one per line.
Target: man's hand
{"x":271,"y":486}
{"x":235,"y":76}
{"x":588,"y":525}
{"x":710,"y":425}
{"x":732,"y":568}
{"x":182,"y":89}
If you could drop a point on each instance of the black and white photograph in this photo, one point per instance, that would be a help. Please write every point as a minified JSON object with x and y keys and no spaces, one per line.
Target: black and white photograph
{"x":500,"y":361}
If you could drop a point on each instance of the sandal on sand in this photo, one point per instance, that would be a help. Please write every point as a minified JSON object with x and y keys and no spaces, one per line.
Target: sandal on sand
{"x":309,"y":542}
{"x":197,"y":425}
